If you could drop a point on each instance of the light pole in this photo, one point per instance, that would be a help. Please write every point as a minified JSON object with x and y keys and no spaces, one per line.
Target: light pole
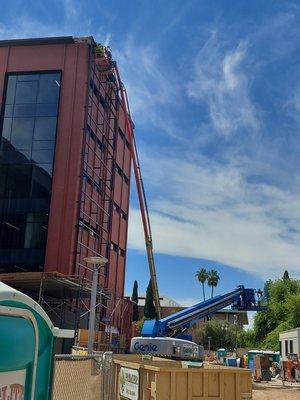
{"x":96,"y":262}
{"x":209,"y":337}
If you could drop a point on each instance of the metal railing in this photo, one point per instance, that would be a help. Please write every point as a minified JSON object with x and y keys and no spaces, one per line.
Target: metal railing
{"x":89,"y":377}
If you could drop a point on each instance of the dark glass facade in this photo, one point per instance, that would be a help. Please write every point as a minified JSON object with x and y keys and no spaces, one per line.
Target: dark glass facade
{"x":28,"y":133}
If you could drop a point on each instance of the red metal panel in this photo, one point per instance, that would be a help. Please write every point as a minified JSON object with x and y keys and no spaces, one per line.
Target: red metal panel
{"x":117,"y":189}
{"x":125,"y":196}
{"x":38,"y":58}
{"x":123,"y":233}
{"x":4,"y":52}
{"x":121,"y":276}
{"x":122,"y":120}
{"x":120,"y":147}
{"x":127,"y":162}
{"x":115,"y":227}
{"x":112,"y":270}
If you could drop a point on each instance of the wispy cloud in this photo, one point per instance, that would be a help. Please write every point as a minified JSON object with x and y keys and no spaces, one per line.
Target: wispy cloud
{"x":212,"y":211}
{"x":71,"y":20}
{"x":221,"y":81}
{"x":154,"y":94}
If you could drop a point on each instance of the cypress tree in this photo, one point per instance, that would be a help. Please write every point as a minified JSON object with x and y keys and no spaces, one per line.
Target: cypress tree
{"x":286,"y":276}
{"x":135,"y":299}
{"x":149,"y":310}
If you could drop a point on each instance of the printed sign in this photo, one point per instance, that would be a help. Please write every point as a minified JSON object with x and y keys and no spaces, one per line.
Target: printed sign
{"x":12,"y":385}
{"x":129,"y":383}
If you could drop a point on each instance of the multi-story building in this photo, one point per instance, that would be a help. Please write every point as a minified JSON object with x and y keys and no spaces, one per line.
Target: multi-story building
{"x":64,"y":164}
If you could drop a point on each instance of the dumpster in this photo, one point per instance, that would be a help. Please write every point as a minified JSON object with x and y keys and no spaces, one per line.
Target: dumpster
{"x":26,"y":347}
{"x":157,"y":379}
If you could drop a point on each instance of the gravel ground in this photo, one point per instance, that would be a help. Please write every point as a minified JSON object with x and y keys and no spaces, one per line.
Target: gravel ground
{"x":275,"y":391}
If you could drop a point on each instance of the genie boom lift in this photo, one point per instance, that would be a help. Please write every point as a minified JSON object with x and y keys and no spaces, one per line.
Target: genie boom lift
{"x":164,"y":336}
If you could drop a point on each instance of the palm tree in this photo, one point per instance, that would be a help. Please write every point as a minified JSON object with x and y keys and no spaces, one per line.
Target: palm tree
{"x":212,"y":280}
{"x":201,"y":275}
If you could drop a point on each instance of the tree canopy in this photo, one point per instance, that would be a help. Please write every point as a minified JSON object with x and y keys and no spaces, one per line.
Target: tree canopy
{"x":213,"y":280}
{"x":221,"y":334}
{"x":135,"y":299}
{"x":202,"y":275}
{"x":149,"y":311}
{"x":282,"y":313}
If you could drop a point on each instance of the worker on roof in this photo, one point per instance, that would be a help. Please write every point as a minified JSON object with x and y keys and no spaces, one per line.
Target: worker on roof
{"x":100,"y":49}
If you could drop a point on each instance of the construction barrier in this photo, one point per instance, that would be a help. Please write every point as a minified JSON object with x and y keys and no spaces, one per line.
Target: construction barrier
{"x":157,"y":379}
{"x":291,"y":370}
{"x":88,"y":377}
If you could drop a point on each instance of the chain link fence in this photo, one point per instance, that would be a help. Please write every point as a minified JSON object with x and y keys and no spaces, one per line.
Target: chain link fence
{"x":89,"y":377}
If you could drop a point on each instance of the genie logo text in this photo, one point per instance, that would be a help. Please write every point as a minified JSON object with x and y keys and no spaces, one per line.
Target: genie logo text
{"x":147,"y":347}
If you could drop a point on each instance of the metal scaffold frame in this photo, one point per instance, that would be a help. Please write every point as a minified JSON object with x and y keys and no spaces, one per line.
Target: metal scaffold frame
{"x":95,"y":206}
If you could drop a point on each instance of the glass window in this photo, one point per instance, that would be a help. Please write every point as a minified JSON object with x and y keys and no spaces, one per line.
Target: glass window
{"x":24,"y":110}
{"x":42,"y":156}
{"x":35,"y":233}
{"x":11,"y":89}
{"x":26,"y":92}
{"x":28,"y":77}
{"x":8,"y":112}
{"x":43,"y":144}
{"x":18,"y":181}
{"x":6,"y":129}
{"x":45,"y":128}
{"x":3,"y":173}
{"x":22,"y":132}
{"x":48,"y":89}
{"x":41,"y":182}
{"x":15,"y":157}
{"x":47,"y":168}
{"x":46,"y":110}
{"x":28,"y":135}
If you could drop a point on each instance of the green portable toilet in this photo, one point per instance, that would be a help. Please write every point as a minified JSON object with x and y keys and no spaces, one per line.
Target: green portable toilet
{"x":26,"y":347}
{"x":221,"y":354}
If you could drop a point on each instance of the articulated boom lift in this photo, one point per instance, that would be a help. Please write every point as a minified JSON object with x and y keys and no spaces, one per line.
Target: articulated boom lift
{"x":164,"y":337}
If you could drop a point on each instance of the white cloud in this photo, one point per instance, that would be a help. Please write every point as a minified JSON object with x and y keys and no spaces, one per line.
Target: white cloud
{"x":71,"y":8}
{"x":208,"y":210}
{"x":152,"y":92}
{"x":188,"y":301}
{"x":221,"y":82}
{"x":72,"y":20}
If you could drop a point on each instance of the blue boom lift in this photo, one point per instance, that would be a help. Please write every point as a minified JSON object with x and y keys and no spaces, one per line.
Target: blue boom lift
{"x":165,"y":337}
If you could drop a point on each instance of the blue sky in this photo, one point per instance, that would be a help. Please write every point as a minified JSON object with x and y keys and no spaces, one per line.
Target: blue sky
{"x":214,"y":88}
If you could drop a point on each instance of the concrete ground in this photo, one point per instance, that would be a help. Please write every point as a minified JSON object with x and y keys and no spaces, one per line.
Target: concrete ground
{"x":275,"y":391}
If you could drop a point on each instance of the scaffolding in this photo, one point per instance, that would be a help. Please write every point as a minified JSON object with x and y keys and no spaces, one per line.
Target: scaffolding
{"x":58,"y":294}
{"x":98,"y":170}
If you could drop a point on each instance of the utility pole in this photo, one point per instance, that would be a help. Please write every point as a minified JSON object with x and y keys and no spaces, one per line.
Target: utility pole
{"x":96,"y":262}
{"x":209,"y":337}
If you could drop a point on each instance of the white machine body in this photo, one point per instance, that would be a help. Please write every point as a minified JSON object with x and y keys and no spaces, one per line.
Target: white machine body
{"x":167,"y":347}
